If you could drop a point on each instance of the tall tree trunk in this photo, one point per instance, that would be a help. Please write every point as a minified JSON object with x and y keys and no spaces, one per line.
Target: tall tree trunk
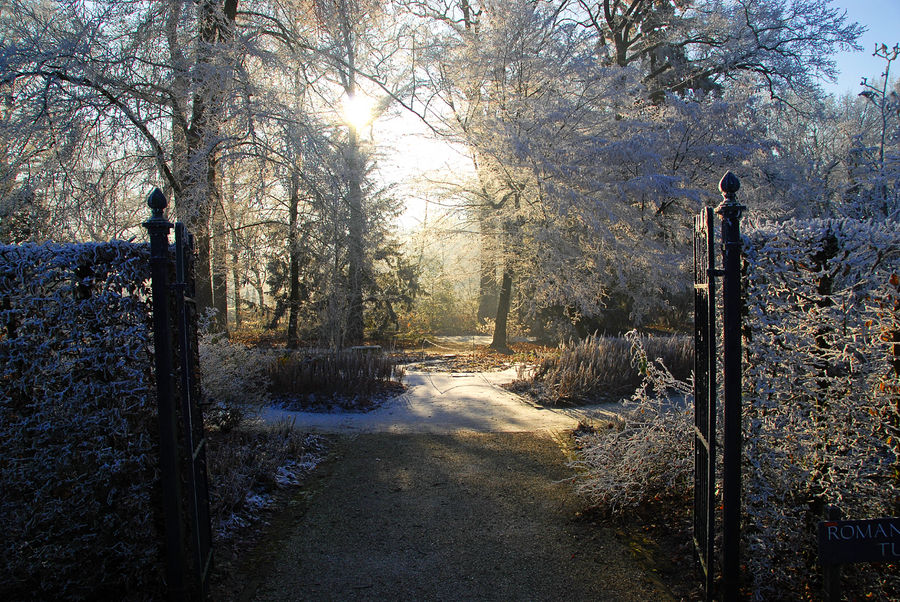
{"x":219,"y":255}
{"x":293,"y":338}
{"x":487,"y":286}
{"x":334,"y":328}
{"x":356,"y":250}
{"x":203,"y":290}
{"x":236,"y":278}
{"x":499,"y":342}
{"x":261,"y":295}
{"x":235,"y":254}
{"x":353,"y":331}
{"x":194,"y":140}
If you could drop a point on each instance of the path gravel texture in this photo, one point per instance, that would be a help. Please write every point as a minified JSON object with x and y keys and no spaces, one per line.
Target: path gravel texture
{"x":444,"y":516}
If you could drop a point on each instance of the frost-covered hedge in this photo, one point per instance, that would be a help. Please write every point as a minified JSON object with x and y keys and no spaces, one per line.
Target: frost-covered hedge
{"x":77,"y":436}
{"x":821,"y":405}
{"x":821,"y":388}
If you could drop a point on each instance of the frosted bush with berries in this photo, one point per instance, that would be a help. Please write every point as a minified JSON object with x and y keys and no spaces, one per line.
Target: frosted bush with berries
{"x":821,"y":395}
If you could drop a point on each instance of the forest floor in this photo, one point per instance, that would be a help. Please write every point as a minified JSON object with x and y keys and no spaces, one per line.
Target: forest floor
{"x":471,"y":512}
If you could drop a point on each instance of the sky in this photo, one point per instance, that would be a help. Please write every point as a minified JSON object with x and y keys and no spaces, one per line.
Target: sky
{"x":882,"y":18}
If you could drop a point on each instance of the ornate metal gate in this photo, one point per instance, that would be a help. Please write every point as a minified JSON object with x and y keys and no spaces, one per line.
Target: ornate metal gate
{"x":182,"y":460}
{"x":705,"y":391}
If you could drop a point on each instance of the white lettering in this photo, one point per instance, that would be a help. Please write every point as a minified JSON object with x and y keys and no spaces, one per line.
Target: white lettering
{"x":879,"y":531}
{"x":894,"y":529}
{"x":867,"y":534}
{"x":847,"y":532}
{"x":832,"y":532}
{"x":893,"y":551}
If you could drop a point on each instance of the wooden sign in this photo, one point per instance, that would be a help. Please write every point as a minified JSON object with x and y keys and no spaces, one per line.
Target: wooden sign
{"x":846,"y":541}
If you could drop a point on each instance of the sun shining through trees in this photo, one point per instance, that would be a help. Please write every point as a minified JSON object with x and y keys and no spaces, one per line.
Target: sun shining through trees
{"x":551,"y":156}
{"x":574,"y":164}
{"x":357,"y":110}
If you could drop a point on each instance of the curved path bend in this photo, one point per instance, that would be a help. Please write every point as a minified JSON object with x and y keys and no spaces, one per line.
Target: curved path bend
{"x":445,"y":402}
{"x":457,"y":490}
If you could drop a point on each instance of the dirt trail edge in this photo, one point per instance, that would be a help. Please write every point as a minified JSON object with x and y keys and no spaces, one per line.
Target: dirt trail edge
{"x":461,"y":516}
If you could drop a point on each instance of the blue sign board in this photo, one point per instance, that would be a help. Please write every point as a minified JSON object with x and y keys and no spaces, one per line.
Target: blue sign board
{"x":846,"y":541}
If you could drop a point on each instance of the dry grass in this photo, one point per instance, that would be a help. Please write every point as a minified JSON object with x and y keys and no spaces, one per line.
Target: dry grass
{"x":601,"y":368}
{"x":351,"y":378}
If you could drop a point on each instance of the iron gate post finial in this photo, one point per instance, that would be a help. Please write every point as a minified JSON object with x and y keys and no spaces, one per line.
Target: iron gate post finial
{"x":728,"y":186}
{"x":157,"y":202}
{"x":730,"y":211}
{"x":157,"y":225}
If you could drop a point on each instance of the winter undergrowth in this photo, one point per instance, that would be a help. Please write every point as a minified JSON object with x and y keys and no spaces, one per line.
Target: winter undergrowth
{"x":351,"y":379}
{"x":248,"y":466}
{"x":602,"y":367}
{"x":647,"y":452}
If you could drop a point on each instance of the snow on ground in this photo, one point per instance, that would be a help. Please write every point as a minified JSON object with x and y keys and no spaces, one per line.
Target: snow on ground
{"x":444,"y":402}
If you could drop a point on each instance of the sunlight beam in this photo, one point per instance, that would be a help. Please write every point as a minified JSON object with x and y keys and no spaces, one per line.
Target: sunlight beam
{"x":358,"y":110}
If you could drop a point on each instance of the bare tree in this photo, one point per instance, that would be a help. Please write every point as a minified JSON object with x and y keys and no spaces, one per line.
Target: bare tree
{"x":701,"y":44}
{"x":141,"y":70}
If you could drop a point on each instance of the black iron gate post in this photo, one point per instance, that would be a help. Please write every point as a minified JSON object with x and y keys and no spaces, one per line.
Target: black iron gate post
{"x":192,"y":417}
{"x":730,"y":211}
{"x":158,"y":228}
{"x":186,"y":518}
{"x":705,"y":391}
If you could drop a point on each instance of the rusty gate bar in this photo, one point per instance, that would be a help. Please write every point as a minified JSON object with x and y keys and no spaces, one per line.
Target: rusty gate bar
{"x":158,"y":228}
{"x":192,"y":417}
{"x":705,"y":392}
{"x":730,"y":211}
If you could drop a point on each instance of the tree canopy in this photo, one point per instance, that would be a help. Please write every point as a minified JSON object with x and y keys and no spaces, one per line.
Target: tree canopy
{"x":594,"y":130}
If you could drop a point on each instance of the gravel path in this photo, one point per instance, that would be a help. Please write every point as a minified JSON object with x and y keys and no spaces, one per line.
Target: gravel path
{"x":447,"y":402}
{"x":444,"y":516}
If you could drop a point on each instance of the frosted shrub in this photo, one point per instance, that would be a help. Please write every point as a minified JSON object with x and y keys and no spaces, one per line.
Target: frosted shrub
{"x":820,"y":389}
{"x":77,"y":435}
{"x":647,"y":453}
{"x":601,"y":367}
{"x":234,"y":378}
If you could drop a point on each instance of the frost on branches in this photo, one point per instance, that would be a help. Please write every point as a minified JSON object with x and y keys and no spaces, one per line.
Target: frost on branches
{"x":820,"y":380}
{"x":77,"y":457}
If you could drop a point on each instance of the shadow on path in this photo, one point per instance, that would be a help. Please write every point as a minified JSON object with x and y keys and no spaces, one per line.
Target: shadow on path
{"x":463,"y":516}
